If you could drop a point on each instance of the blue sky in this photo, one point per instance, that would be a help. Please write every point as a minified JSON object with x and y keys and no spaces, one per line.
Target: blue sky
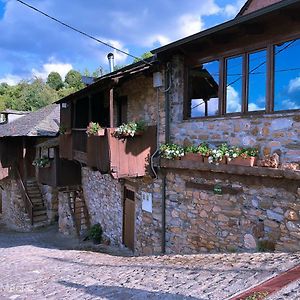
{"x":32,"y":45}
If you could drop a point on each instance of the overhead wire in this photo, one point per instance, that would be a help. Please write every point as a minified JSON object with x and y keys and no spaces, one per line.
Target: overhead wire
{"x":81,"y":32}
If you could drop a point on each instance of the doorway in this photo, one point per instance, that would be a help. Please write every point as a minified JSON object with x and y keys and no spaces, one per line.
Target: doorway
{"x":129,"y":218}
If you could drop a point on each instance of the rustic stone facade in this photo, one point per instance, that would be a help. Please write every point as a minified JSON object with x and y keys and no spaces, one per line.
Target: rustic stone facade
{"x":269,"y":133}
{"x":13,"y":208}
{"x":50,"y":196}
{"x":103,"y":197}
{"x":253,"y":214}
{"x":66,"y":222}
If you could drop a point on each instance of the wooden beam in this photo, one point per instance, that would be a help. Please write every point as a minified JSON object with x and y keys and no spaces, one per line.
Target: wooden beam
{"x":111,"y":108}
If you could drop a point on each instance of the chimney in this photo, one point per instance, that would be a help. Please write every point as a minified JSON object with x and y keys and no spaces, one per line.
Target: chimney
{"x":110,"y":58}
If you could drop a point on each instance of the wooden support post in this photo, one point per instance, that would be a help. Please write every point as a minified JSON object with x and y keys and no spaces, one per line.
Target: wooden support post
{"x":90,"y":108}
{"x":111,"y":108}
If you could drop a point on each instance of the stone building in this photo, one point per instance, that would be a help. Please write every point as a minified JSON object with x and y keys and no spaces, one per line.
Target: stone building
{"x":235,"y":83}
{"x":31,"y":170}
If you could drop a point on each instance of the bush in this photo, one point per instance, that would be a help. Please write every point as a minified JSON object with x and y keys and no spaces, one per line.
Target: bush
{"x":95,"y":233}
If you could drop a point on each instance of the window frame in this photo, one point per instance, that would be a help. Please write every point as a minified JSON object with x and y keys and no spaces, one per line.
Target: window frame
{"x":269,"y":46}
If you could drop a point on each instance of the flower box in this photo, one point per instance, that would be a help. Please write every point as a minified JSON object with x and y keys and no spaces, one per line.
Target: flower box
{"x":193,"y":157}
{"x":221,"y":162}
{"x":240,"y":161}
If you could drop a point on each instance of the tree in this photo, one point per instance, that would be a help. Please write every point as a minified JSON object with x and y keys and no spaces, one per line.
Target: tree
{"x":144,"y":56}
{"x":74,"y":80}
{"x":54,"y":81}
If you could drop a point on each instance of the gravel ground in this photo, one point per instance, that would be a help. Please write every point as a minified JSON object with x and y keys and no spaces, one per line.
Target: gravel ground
{"x":46,"y":265}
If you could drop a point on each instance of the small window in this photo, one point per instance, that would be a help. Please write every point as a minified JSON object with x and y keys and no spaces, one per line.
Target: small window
{"x":203,"y":90}
{"x":257,"y":80}
{"x":287,"y":76}
{"x":234,"y":84}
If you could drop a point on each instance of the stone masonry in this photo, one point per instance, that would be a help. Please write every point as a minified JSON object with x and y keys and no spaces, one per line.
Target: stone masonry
{"x":256,"y":217}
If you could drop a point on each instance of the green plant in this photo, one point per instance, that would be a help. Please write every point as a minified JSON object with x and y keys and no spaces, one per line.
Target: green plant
{"x":191,"y":149}
{"x":216,"y":155}
{"x":171,"y":151}
{"x":249,"y":152}
{"x":130,"y":129}
{"x":265,"y":246}
{"x":204,"y":149}
{"x":95,"y":233}
{"x":62,"y":129}
{"x":256,"y":296}
{"x":42,"y":162}
{"x":93,"y":128}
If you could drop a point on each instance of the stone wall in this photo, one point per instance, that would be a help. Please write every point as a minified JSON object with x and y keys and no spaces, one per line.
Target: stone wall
{"x":148,"y":226}
{"x":144,"y":101}
{"x":103,"y":197}
{"x":259,"y":213}
{"x":66,"y":222}
{"x":50,"y":197}
{"x":13,"y":208}
{"x":269,"y":133}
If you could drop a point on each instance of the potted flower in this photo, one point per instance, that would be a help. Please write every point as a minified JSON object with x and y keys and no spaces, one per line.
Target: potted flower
{"x":43,"y":162}
{"x":192,"y":153}
{"x":242,"y":156}
{"x":94,"y":129}
{"x":171,"y":151}
{"x":218,"y":155}
{"x":205,"y":151}
{"x":130,"y":129}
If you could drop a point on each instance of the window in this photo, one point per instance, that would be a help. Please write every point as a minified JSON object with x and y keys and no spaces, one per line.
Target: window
{"x":257,"y":81}
{"x":247,"y":82}
{"x":287,"y":76}
{"x":203,"y":90}
{"x":234,"y":84}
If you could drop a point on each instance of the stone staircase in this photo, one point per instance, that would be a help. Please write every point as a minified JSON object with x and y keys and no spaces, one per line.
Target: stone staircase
{"x":39,"y":210}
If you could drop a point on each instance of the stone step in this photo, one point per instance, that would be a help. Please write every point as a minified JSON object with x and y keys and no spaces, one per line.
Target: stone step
{"x":39,"y":218}
{"x":39,"y":213}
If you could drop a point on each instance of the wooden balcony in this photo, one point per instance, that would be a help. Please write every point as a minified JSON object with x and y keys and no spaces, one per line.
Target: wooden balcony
{"x":128,"y":157}
{"x":60,"y":173}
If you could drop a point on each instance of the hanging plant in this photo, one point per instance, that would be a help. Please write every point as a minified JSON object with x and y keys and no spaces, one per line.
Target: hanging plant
{"x":130,"y":129}
{"x":43,"y":162}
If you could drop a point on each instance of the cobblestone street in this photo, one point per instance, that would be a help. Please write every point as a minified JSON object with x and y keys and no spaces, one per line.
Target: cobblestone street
{"x":41,"y":265}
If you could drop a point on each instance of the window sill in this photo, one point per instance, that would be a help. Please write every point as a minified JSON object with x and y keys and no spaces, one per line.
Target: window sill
{"x":228,"y":169}
{"x":253,"y":115}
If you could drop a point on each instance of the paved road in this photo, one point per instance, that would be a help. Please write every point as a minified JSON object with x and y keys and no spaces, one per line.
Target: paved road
{"x":41,"y":265}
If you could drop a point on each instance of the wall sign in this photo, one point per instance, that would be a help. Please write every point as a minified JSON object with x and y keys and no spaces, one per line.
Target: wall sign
{"x":147,"y":202}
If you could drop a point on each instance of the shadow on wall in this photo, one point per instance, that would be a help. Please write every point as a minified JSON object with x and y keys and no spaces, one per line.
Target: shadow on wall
{"x":116,"y":292}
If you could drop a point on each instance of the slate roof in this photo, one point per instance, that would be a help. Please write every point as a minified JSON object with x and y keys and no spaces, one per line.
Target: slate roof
{"x":43,"y":122}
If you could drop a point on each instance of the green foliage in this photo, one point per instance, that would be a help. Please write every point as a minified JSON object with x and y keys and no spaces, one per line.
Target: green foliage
{"x":42,"y":162}
{"x":191,"y":149}
{"x":93,"y":128}
{"x":265,"y":246}
{"x":54,"y":81}
{"x":130,"y":129}
{"x":32,"y":95}
{"x":95,"y":233}
{"x":73,"y":79}
{"x":257,"y":296}
{"x":171,"y":151}
{"x":144,"y":56}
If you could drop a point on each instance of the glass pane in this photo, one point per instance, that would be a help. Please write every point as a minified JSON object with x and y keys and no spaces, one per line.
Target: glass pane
{"x":257,"y":79}
{"x":234,"y":84}
{"x":204,"y":89}
{"x":287,"y":76}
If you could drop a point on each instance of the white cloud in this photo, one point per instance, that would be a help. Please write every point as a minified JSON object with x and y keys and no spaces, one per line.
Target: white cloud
{"x":294,"y":85}
{"x":158,"y":38}
{"x":231,"y":10}
{"x":233,"y":100}
{"x":189,"y":24}
{"x":11,"y":79}
{"x":52,"y":66}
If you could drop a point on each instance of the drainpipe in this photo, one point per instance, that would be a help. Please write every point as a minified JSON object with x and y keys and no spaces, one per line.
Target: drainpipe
{"x":167,"y":140}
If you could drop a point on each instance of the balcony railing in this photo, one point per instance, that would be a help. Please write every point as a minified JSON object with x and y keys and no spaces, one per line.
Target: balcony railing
{"x":126,"y":157}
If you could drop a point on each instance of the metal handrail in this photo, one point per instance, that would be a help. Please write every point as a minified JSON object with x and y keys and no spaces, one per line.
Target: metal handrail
{"x":27,"y":201}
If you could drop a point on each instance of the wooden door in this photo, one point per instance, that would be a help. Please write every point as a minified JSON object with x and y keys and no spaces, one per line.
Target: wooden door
{"x":129,"y":219}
